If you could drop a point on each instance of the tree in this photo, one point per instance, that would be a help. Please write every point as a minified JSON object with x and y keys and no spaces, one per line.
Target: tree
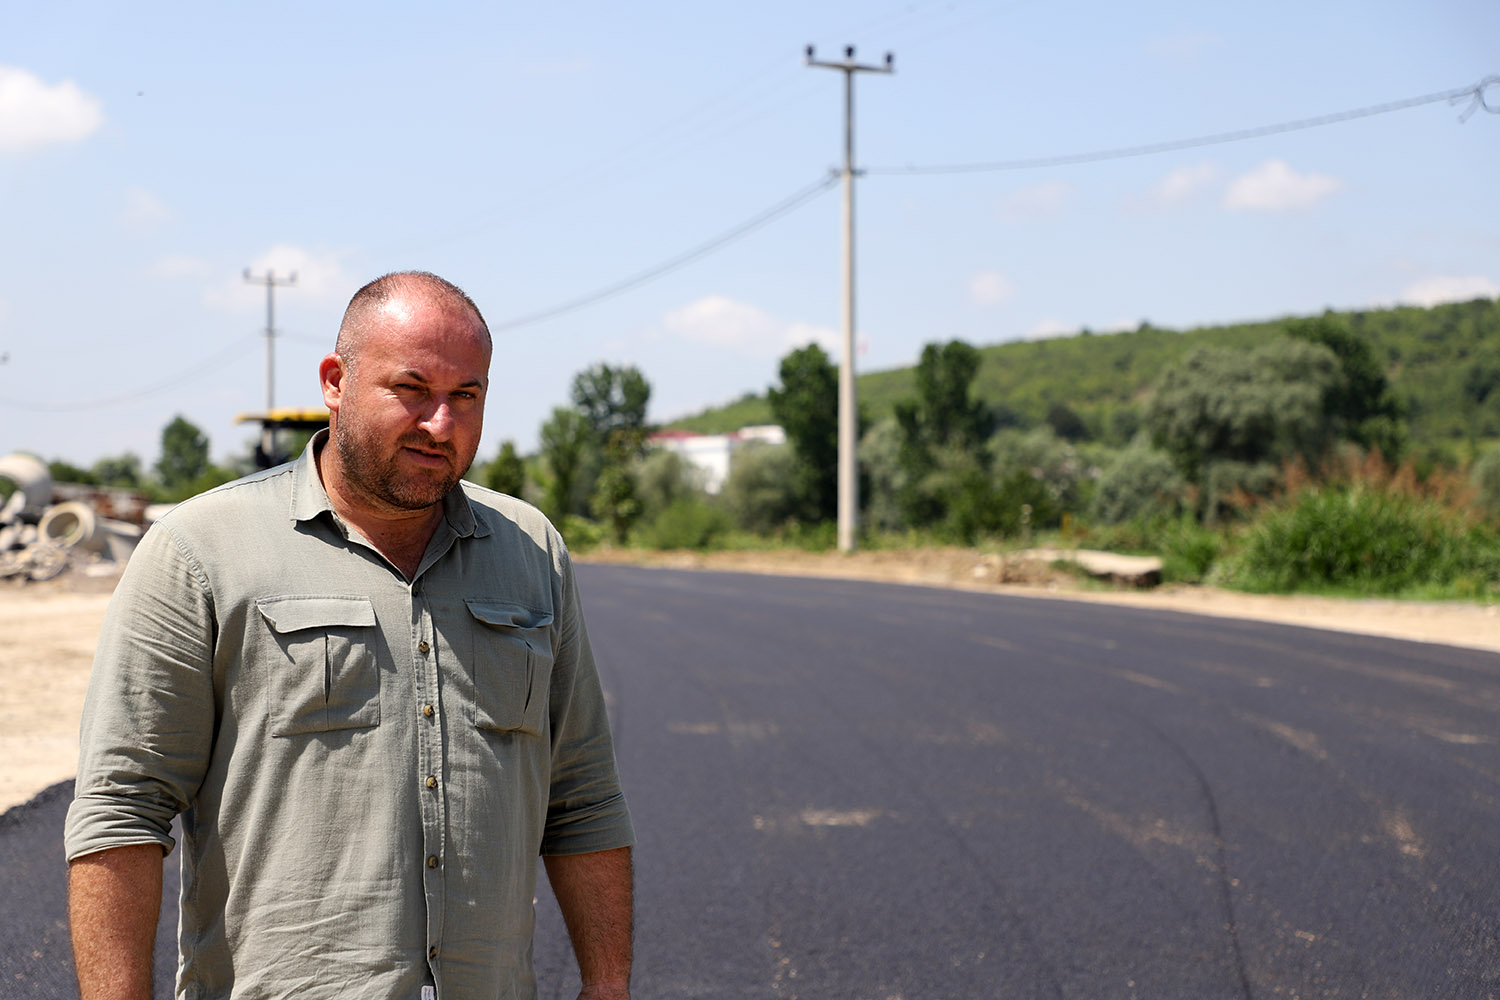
{"x":66,"y":472}
{"x":507,"y":473}
{"x":1251,"y":407}
{"x":565,"y":437}
{"x":1362,"y":403}
{"x":612,"y":400}
{"x":613,"y":499}
{"x":807,"y":408}
{"x":120,"y":470}
{"x":944,"y":408}
{"x":759,"y":493}
{"x":612,"y":405}
{"x":662,"y":478}
{"x":1066,"y":422}
{"x":942,"y":417}
{"x":184,"y":454}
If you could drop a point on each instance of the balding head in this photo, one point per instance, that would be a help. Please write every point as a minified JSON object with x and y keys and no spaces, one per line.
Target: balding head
{"x":369,"y":301}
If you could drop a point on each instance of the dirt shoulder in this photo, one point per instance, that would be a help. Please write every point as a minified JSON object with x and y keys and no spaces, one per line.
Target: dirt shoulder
{"x":1448,"y":622}
{"x":48,"y":630}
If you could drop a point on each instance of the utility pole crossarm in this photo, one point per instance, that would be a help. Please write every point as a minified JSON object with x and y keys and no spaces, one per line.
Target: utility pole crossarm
{"x":848,"y":403}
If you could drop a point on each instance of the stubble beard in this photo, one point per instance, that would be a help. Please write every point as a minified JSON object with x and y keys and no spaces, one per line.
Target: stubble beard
{"x":378,"y":476}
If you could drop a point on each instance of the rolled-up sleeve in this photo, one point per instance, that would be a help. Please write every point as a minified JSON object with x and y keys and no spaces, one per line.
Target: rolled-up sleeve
{"x":148,"y":717}
{"x":586,"y":809}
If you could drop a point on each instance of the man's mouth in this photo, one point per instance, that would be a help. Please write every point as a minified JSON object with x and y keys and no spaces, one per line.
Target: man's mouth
{"x":427,"y":456}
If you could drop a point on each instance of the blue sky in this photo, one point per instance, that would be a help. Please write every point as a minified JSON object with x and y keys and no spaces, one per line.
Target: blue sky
{"x":534,"y":154}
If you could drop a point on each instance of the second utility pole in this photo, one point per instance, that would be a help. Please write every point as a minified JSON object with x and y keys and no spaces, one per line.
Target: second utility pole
{"x":268,"y":431}
{"x":848,"y":402}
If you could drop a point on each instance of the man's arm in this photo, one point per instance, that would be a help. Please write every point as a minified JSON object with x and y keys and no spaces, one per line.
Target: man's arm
{"x":114,"y":900}
{"x":594,"y":893}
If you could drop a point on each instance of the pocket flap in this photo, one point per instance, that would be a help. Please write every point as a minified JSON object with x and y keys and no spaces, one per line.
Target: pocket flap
{"x":288,"y":614}
{"x":507,"y":614}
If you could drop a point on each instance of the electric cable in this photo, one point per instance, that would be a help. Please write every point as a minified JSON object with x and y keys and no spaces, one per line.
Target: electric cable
{"x":745,"y":228}
{"x":207,"y":364}
{"x":1475,"y":93}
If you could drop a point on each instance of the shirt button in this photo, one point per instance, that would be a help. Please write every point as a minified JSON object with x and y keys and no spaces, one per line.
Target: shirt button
{"x":431,"y":781}
{"x":432,"y":952}
{"x":432,"y":861}
{"x":422,"y":646}
{"x":427,"y":710}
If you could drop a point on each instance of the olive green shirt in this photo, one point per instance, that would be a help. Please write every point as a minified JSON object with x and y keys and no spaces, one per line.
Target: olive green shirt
{"x":367,"y":767}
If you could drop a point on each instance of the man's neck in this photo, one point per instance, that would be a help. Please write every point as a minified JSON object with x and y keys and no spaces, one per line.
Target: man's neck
{"x":398,"y":534}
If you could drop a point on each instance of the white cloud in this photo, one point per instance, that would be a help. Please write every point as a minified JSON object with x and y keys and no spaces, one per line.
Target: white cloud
{"x":319,"y":277}
{"x":178,"y":266}
{"x":990,"y":288}
{"x":1041,"y":201}
{"x":33,"y":115}
{"x":744,"y":328}
{"x":1184,"y":183}
{"x":143,"y":209}
{"x":1276,"y":187}
{"x":1437,"y":290}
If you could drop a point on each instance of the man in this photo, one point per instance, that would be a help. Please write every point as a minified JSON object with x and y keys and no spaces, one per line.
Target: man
{"x":368,"y":690}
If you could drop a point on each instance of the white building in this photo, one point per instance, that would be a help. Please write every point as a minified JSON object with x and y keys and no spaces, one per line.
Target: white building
{"x":712,"y":454}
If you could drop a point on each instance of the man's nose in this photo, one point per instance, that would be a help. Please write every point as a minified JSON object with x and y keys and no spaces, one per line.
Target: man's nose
{"x":438,"y":421}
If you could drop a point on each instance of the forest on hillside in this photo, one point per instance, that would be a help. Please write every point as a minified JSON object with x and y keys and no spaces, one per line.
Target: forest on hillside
{"x":1442,"y":362}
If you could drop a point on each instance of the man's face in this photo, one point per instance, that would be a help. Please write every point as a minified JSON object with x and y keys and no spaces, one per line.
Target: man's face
{"x":407,"y":420}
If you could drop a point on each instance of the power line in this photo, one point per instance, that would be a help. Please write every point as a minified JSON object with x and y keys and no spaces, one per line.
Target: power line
{"x":745,"y":228}
{"x":174,"y":382}
{"x":1475,"y":93}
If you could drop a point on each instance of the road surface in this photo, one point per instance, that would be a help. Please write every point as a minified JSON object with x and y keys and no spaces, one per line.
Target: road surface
{"x":855,"y":790}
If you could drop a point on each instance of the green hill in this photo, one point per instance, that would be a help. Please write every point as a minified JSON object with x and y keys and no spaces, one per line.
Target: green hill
{"x":1443,"y":362}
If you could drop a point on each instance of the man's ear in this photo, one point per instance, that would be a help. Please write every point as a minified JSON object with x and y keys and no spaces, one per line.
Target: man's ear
{"x":331,"y":376}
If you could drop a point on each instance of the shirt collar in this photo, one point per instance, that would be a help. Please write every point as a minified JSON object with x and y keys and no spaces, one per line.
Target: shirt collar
{"x":309,"y":498}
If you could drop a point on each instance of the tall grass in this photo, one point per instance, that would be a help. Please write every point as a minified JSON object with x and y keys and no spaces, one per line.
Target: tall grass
{"x":1368,"y":532}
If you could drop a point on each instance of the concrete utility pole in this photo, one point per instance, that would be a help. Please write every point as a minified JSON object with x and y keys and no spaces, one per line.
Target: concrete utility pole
{"x":268,"y":434}
{"x":848,"y":403}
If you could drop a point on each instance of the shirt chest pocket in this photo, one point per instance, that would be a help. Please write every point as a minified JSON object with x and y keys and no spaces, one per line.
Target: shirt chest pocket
{"x":327,"y":678}
{"x":512,"y":666}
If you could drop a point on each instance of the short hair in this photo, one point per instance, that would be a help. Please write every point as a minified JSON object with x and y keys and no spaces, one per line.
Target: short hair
{"x":377,"y":293}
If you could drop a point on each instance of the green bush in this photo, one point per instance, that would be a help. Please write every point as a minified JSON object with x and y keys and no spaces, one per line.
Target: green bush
{"x":1188,"y":550}
{"x":1138,"y":482}
{"x":686,"y":523}
{"x":761,"y":492}
{"x":1355,"y":538}
{"x":580,"y":533}
{"x":1485,"y":476}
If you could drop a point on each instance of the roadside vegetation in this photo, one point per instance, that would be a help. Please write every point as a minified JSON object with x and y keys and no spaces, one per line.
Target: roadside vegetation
{"x":1349,"y":454}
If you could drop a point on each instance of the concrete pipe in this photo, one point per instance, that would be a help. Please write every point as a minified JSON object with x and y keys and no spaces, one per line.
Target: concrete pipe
{"x":32,"y":480}
{"x":71,"y":524}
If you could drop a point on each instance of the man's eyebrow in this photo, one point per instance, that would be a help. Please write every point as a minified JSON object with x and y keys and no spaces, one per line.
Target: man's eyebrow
{"x":412,"y":375}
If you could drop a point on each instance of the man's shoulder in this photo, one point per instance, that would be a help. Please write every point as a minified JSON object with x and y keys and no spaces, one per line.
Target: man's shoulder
{"x":505,"y":513}
{"x":250,"y":496}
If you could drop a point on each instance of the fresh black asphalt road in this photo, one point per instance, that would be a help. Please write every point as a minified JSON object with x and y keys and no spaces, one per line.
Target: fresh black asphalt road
{"x":855,"y":790}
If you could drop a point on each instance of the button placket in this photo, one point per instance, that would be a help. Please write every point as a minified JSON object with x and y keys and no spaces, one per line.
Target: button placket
{"x":430,"y":761}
